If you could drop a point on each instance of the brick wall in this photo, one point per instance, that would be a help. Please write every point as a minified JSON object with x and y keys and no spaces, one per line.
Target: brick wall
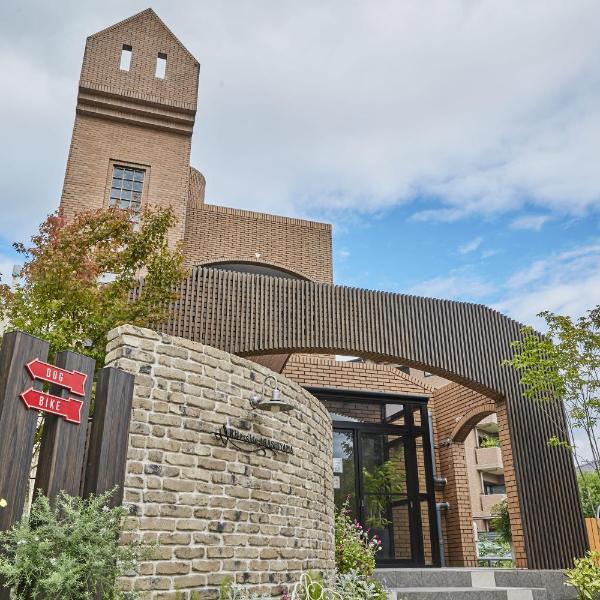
{"x":98,"y":143}
{"x":220,"y":511}
{"x":322,"y":372}
{"x":220,"y":234}
{"x":148,"y":36}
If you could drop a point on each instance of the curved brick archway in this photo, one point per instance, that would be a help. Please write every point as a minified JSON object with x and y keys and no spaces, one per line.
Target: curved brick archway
{"x":467,"y":422}
{"x":457,"y":410}
{"x":465,"y":343}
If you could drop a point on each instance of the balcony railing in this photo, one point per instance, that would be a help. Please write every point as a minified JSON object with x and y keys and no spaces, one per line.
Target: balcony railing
{"x":490,"y":500}
{"x":489,"y":460}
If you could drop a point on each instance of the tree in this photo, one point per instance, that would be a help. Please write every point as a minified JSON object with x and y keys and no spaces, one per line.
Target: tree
{"x":589,"y":490}
{"x":500,"y":521}
{"x":77,"y":280}
{"x":565,"y":364}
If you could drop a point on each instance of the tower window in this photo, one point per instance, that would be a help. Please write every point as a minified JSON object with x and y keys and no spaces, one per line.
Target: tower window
{"x":126,"y":190}
{"x":126,"y":57}
{"x":161,"y":66}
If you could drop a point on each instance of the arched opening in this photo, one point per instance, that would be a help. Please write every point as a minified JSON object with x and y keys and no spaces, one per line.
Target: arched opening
{"x":255,"y":268}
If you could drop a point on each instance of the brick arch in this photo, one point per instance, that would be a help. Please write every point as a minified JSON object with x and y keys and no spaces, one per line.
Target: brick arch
{"x":468,"y":421}
{"x":249,"y":314}
{"x":457,"y":410}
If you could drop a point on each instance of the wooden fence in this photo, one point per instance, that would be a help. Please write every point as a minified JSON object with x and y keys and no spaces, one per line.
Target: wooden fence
{"x":593,"y":532}
{"x":77,"y":454}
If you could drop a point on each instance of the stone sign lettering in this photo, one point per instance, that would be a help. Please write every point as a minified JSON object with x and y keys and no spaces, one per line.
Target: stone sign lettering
{"x":227,"y":435}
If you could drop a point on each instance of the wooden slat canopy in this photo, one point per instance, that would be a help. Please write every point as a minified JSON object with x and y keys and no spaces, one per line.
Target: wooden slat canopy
{"x":250,"y":314}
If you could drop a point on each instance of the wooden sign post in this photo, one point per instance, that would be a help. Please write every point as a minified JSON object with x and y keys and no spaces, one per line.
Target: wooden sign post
{"x":17,"y":425}
{"x":62,"y":451}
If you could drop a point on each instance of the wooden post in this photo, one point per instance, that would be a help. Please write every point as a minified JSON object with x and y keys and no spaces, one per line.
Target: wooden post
{"x":62,"y":451}
{"x":109,"y":439}
{"x":17,"y":423}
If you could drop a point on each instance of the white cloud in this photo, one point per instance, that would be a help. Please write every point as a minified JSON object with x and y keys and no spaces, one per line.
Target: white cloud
{"x":344,"y":253}
{"x":530,"y":222}
{"x":326,"y":106}
{"x":490,"y":253}
{"x":565,"y":282}
{"x":459,"y":284}
{"x":470,"y":246}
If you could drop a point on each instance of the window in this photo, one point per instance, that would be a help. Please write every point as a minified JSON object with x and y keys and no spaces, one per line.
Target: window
{"x":126,"y":57}
{"x":161,"y":66}
{"x":494,"y":488}
{"x":126,"y":189}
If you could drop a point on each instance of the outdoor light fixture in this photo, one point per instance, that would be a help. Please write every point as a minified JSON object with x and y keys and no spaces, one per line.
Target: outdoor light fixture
{"x":275,"y":404}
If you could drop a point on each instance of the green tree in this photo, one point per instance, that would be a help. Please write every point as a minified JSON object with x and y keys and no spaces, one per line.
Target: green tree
{"x":500,"y":521}
{"x":589,"y":487}
{"x":565,"y":364}
{"x":77,"y":280}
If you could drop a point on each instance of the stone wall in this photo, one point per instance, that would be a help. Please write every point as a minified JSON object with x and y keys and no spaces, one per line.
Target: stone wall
{"x":260,"y":518}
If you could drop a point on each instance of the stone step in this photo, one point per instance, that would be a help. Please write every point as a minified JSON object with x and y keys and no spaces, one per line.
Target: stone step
{"x":553,"y":582}
{"x":468,"y":593}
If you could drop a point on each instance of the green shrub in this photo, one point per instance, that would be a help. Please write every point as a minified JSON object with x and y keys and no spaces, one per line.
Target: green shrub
{"x":501,"y":521}
{"x":69,"y":551}
{"x":354,"y":550}
{"x":490,"y":441}
{"x":585,"y":576}
{"x":228,"y":591}
{"x":353,"y":586}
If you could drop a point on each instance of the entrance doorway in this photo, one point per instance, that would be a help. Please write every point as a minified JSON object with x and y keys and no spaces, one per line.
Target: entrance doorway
{"x":382,"y":467}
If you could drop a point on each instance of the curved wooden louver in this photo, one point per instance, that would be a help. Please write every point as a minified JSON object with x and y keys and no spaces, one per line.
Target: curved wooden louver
{"x":252,"y":314}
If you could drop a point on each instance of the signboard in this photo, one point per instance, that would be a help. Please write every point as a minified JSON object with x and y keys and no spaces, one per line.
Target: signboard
{"x":71,"y":380}
{"x":227,"y":435}
{"x":338,"y":465}
{"x":68,"y":408}
{"x":337,"y":484}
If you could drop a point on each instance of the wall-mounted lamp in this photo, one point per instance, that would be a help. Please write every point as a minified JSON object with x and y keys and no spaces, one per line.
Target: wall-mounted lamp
{"x":275,"y":404}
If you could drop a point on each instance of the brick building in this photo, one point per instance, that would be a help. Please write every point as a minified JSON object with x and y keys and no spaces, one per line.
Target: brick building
{"x":130,"y":148}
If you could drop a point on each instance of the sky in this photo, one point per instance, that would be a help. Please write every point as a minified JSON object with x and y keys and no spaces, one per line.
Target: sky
{"x":452,"y":144}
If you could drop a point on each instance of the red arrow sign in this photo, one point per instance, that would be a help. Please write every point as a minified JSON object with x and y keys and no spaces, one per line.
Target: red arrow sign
{"x":68,"y":408}
{"x":72,"y":380}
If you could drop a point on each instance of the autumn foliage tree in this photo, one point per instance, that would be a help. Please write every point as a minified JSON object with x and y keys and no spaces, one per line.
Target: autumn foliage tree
{"x":77,"y":278}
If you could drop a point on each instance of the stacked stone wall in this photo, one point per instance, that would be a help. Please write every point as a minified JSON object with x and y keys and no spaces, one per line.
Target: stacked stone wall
{"x":218,"y":511}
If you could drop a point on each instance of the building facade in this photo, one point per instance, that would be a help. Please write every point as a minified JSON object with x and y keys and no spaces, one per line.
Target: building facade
{"x":399,"y":441}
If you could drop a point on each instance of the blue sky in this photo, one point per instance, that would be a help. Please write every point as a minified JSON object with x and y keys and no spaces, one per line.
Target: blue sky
{"x":453,"y":144}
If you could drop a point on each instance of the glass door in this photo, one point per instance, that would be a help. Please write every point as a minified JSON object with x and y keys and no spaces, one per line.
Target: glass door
{"x":385,"y":507}
{"x":384,"y":473}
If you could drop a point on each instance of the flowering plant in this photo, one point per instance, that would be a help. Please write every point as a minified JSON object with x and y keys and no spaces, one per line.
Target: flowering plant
{"x":355,"y":548}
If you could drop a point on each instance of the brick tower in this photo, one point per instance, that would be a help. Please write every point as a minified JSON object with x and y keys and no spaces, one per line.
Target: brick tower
{"x":135,"y":114}
{"x":131,"y":145}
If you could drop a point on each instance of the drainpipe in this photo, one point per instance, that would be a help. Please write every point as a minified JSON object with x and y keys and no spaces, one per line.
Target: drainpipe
{"x":438,"y":482}
{"x":439,"y":507}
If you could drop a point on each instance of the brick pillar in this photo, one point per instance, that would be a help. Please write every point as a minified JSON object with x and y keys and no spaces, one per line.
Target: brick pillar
{"x":514,"y":508}
{"x":460,"y":542}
